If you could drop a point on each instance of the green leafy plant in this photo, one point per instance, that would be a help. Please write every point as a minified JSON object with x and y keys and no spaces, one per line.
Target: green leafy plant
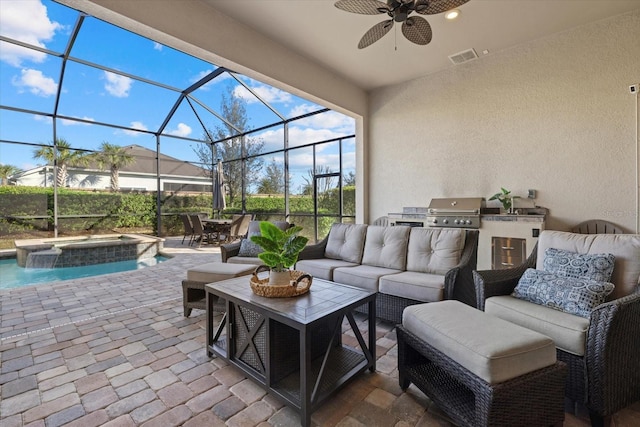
{"x":281,"y":248}
{"x":505,"y":198}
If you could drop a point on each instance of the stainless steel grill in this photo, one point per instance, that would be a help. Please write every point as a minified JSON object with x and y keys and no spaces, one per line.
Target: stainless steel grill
{"x":460,"y":212}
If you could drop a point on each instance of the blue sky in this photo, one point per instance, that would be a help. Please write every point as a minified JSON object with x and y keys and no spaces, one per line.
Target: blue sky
{"x":30,"y":79}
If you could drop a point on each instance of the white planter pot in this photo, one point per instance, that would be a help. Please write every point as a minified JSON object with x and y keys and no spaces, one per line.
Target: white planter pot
{"x":282,"y":278}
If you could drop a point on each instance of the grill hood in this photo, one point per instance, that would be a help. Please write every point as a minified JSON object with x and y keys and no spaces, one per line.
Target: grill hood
{"x":456,"y":206}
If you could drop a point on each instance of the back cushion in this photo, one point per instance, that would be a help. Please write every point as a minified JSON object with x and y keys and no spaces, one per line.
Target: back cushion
{"x":624,"y":247}
{"x":346,"y":242}
{"x":434,"y":250}
{"x":386,"y":247}
{"x":250,"y":249}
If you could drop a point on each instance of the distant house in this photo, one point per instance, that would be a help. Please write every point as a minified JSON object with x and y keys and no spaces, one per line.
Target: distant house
{"x":175,"y":175}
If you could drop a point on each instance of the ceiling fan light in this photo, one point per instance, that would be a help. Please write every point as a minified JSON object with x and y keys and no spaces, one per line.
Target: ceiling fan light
{"x":452,"y":14}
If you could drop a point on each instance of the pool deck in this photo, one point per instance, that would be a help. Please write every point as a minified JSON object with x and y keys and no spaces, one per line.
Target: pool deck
{"x":115,"y":350}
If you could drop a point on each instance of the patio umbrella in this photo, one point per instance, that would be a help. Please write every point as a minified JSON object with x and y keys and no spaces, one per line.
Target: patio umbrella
{"x":219,"y":203}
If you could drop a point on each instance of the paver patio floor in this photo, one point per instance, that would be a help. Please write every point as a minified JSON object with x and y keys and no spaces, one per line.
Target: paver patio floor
{"x":115,"y":350}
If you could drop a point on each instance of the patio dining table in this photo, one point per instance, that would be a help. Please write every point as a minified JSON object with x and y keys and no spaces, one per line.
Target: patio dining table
{"x":218,"y":227}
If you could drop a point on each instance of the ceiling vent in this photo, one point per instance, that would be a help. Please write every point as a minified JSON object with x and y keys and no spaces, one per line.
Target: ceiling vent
{"x":464,"y":56}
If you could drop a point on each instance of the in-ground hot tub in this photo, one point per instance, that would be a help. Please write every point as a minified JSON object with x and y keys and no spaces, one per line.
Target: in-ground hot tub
{"x":85,"y":250}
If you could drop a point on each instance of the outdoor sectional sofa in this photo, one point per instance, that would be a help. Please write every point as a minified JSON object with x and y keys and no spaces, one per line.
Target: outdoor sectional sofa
{"x":404,"y":265}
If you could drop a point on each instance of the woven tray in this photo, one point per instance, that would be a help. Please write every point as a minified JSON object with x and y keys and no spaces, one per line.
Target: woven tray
{"x":300,"y":284}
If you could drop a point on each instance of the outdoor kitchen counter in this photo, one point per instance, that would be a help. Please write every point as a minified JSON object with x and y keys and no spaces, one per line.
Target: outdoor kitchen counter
{"x":521,"y":229}
{"x":513,"y":217}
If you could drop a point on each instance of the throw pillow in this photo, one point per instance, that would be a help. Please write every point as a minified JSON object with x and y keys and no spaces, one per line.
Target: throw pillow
{"x":249,"y":249}
{"x":572,"y":295}
{"x":598,"y":267}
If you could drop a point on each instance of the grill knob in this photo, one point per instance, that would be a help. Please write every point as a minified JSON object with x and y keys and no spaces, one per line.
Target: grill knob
{"x":457,"y":221}
{"x":445,"y":221}
{"x":468,"y":222}
{"x":435,"y":221}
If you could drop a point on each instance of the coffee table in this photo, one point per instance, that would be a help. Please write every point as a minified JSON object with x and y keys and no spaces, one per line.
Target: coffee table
{"x":292,"y":346}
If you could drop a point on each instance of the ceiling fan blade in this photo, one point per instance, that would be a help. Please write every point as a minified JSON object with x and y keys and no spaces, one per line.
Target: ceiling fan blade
{"x":437,"y":6}
{"x":363,"y":7}
{"x":375,"y":33}
{"x":417,"y":30}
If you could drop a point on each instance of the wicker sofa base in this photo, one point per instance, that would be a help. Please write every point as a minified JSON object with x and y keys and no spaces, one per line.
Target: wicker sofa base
{"x":533,"y":399}
{"x":389,"y":307}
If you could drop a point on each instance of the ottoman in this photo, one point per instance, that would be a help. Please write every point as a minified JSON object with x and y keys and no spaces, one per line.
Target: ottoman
{"x":479,"y":369}
{"x":193,"y":295}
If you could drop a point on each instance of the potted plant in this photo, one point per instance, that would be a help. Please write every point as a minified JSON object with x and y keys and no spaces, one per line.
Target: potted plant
{"x":505,"y":198}
{"x":280,"y":250}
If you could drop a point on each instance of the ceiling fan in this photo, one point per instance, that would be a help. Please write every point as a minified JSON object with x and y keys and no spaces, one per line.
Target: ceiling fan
{"x":415,"y":28}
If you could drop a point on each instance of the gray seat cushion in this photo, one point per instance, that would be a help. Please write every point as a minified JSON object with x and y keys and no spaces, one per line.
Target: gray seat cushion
{"x":216,"y":271}
{"x":413,"y":285}
{"x":245,"y":260}
{"x":322,"y":268}
{"x":361,"y":276}
{"x":568,"y":331}
{"x":491,"y":348}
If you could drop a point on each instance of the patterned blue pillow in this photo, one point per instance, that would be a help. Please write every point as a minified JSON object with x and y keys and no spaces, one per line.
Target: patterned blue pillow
{"x":598,"y":267}
{"x":572,"y":295}
{"x":249,"y":249}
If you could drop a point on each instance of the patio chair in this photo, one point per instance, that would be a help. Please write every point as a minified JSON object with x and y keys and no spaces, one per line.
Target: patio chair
{"x":239,"y":227}
{"x":199,"y":230}
{"x":188,"y":228}
{"x":383,"y":221}
{"x":600,"y":347}
{"x":597,"y":226}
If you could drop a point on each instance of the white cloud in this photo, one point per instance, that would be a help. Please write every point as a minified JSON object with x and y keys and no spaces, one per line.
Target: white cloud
{"x":67,"y":122}
{"x":117,"y":85}
{"x":135,"y":125}
{"x":273,"y":139}
{"x":44,"y":119}
{"x":36,"y":82}
{"x":201,"y":74}
{"x":27,"y":21}
{"x":267,"y":93}
{"x":330,"y":119}
{"x":181,"y":130}
{"x":157,"y":46}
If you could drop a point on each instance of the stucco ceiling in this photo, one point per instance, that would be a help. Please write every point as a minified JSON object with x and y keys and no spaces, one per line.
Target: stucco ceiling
{"x":321,"y":32}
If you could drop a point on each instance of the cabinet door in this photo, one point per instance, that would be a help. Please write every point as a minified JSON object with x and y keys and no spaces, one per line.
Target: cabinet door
{"x":507,"y":252}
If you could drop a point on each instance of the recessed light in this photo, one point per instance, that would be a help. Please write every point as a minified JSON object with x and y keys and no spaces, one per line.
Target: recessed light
{"x":452,"y":14}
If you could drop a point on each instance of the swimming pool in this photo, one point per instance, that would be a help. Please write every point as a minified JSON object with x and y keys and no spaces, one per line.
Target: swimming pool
{"x":13,"y":276}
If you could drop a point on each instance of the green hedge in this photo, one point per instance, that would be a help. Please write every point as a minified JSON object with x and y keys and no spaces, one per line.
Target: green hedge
{"x":82,"y":212}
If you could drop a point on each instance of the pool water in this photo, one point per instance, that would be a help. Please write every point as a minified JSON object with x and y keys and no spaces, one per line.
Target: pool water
{"x":13,"y":276}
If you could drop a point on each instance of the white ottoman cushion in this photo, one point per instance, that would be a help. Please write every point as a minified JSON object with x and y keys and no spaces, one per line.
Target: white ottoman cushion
{"x":491,"y":348}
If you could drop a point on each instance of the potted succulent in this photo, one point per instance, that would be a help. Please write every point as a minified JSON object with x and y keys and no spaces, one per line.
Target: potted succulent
{"x":505,"y":198}
{"x":281,"y":250}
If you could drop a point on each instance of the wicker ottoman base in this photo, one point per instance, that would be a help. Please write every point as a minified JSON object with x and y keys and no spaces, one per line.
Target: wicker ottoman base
{"x":193,"y":295}
{"x":533,"y":399}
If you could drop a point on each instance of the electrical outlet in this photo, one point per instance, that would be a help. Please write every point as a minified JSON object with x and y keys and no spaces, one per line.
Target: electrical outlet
{"x":531,"y":194}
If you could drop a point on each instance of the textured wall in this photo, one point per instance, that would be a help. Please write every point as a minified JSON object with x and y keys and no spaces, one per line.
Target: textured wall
{"x":553,"y":115}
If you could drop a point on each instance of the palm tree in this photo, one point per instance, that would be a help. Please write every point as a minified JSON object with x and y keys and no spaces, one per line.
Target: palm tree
{"x":114,"y":157}
{"x":6,"y":171}
{"x":66,"y":157}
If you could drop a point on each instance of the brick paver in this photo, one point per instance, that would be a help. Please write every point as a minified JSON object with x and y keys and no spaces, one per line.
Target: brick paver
{"x":116,"y":351}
